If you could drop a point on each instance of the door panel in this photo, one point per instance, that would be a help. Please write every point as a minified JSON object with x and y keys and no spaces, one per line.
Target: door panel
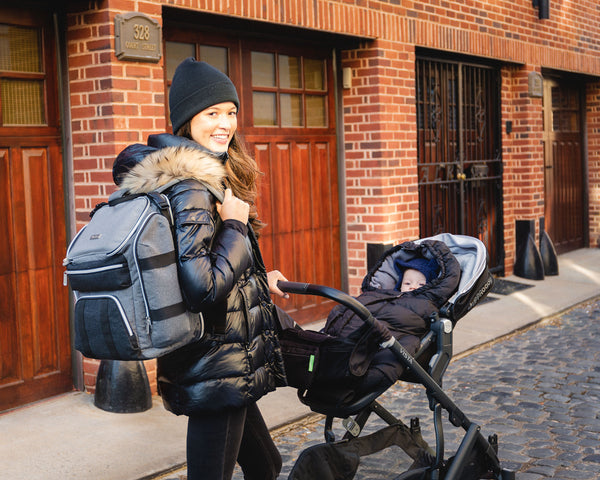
{"x":34,"y":338}
{"x":298,"y":201}
{"x":459,"y":161}
{"x":563,"y":161}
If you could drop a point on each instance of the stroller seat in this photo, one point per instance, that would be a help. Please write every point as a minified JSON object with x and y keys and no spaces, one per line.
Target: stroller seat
{"x":349,"y":395}
{"x":476,"y":457}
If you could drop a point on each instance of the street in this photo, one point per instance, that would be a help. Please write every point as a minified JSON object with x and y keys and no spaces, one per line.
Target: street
{"x":539,"y":390}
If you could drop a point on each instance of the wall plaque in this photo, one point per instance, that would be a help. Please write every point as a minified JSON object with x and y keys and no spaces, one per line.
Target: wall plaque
{"x":536,"y":85}
{"x":137,"y":37}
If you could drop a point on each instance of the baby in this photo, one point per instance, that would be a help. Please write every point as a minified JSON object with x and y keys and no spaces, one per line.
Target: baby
{"x":417,"y":288}
{"x":415,"y":273}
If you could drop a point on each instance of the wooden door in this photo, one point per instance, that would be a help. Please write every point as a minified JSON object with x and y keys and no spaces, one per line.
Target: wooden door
{"x":291,"y":129}
{"x":459,"y":159}
{"x":287,"y":121}
{"x":563,"y":162}
{"x":35,"y":355}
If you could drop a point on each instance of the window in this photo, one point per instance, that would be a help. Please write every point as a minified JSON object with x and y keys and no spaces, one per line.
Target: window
{"x":288,"y":91}
{"x":21,"y":76}
{"x":177,"y":52}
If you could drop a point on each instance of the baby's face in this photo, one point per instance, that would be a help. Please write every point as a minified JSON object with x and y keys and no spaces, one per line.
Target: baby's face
{"x":411,"y":280}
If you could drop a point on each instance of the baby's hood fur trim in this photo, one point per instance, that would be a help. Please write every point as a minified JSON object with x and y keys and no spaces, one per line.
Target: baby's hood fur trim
{"x":174,"y":163}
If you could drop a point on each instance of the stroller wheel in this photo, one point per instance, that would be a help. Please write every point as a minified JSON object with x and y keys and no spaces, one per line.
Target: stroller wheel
{"x":416,"y":474}
{"x":508,"y":474}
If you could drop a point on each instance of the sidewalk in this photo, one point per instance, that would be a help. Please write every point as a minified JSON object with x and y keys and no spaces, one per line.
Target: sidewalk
{"x":67,"y":437}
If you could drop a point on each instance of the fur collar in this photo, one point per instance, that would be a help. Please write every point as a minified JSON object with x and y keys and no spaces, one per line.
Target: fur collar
{"x":174,"y":163}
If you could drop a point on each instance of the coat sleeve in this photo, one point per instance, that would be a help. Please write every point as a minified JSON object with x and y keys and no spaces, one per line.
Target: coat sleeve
{"x":212,"y":256}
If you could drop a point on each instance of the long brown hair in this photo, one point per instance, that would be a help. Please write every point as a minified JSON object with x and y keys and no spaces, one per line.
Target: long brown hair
{"x":242,"y":173}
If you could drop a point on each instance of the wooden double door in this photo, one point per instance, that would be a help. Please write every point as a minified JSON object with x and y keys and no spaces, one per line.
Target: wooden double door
{"x":35,"y":353}
{"x":287,"y":120}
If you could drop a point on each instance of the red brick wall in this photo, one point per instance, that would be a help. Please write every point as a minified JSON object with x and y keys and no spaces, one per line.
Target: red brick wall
{"x":379,"y":150}
{"x":522,"y":155}
{"x":114,"y":103}
{"x":593,"y":149}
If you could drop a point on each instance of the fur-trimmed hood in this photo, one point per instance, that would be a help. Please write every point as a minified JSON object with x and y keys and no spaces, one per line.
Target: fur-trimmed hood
{"x":140,"y":168}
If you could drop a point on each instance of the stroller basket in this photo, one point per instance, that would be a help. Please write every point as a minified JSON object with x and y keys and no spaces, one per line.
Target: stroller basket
{"x":476,"y":456}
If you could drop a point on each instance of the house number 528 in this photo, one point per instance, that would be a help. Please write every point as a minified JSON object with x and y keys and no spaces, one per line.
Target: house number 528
{"x":141,"y":32}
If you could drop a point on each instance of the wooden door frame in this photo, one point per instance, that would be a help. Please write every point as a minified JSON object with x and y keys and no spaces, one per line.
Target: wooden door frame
{"x":50,"y":138}
{"x":239,"y":43}
{"x":462,"y":170}
{"x":551,"y":79}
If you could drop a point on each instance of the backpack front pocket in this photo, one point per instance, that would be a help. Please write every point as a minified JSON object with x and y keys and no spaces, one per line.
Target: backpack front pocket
{"x":100,"y":276}
{"x":102,"y":329}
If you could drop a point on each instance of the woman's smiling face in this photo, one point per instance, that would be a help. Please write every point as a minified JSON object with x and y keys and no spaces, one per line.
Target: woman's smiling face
{"x":214,"y":126}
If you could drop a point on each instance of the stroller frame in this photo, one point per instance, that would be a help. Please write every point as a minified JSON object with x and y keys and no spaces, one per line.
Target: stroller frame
{"x":474,"y":447}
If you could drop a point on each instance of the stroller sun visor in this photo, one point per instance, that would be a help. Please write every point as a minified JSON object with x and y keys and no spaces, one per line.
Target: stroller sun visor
{"x":476,"y":281}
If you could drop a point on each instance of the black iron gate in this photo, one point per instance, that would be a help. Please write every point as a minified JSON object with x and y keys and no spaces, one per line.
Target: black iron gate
{"x":459,"y":154}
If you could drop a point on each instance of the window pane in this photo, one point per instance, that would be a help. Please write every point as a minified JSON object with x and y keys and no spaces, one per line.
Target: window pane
{"x":216,"y":56}
{"x":175,"y":54}
{"x":22,"y":102}
{"x":264,"y":109}
{"x":263,"y":69}
{"x":314,"y":74}
{"x":289,"y":72}
{"x":291,"y":110}
{"x":20,"y":49}
{"x":315,"y":111}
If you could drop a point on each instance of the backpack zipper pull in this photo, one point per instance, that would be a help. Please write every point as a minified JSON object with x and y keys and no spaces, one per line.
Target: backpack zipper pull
{"x":148,"y":325}
{"x":65,"y":281}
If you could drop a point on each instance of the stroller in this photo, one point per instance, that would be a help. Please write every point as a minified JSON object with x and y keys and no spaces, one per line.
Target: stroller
{"x":476,"y":457}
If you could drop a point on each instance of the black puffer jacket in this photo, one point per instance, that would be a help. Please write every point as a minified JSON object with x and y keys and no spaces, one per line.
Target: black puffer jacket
{"x":222,"y":276}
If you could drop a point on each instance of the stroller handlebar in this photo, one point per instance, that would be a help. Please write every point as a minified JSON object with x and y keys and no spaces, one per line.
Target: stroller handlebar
{"x":339,"y":297}
{"x":327,"y":292}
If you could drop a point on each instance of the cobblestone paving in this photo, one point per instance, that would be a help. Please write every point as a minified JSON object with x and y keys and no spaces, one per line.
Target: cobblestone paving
{"x":539,"y":390}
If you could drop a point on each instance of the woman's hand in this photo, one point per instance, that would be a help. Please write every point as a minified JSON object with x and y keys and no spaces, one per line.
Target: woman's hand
{"x":233,"y":208}
{"x":273,"y":277}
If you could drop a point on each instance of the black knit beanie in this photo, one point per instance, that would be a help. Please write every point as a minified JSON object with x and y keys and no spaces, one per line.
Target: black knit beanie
{"x":429,"y":268}
{"x":195,"y":87}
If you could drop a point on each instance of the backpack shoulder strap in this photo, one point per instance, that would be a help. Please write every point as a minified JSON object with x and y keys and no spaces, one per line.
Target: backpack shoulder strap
{"x":157,"y":196}
{"x":218,"y":194}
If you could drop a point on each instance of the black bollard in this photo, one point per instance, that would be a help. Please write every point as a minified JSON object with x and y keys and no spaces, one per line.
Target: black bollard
{"x":122,"y":387}
{"x":547,"y":251}
{"x":528,"y":261}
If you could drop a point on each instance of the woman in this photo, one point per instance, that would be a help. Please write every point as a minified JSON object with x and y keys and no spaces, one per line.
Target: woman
{"x":216,"y":381}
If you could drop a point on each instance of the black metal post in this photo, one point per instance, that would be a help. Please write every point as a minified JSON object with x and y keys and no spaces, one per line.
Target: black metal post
{"x":122,"y":387}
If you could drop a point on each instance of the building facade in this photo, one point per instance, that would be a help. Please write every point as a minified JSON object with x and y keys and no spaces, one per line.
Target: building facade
{"x":374,"y":122}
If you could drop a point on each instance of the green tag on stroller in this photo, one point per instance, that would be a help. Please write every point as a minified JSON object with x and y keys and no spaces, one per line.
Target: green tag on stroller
{"x":311,"y":363}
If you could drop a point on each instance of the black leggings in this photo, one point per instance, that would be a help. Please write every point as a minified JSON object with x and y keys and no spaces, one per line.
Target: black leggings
{"x":216,"y":441}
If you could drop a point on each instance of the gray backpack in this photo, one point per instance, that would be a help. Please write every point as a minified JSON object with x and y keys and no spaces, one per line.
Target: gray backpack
{"x":122,"y":268}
